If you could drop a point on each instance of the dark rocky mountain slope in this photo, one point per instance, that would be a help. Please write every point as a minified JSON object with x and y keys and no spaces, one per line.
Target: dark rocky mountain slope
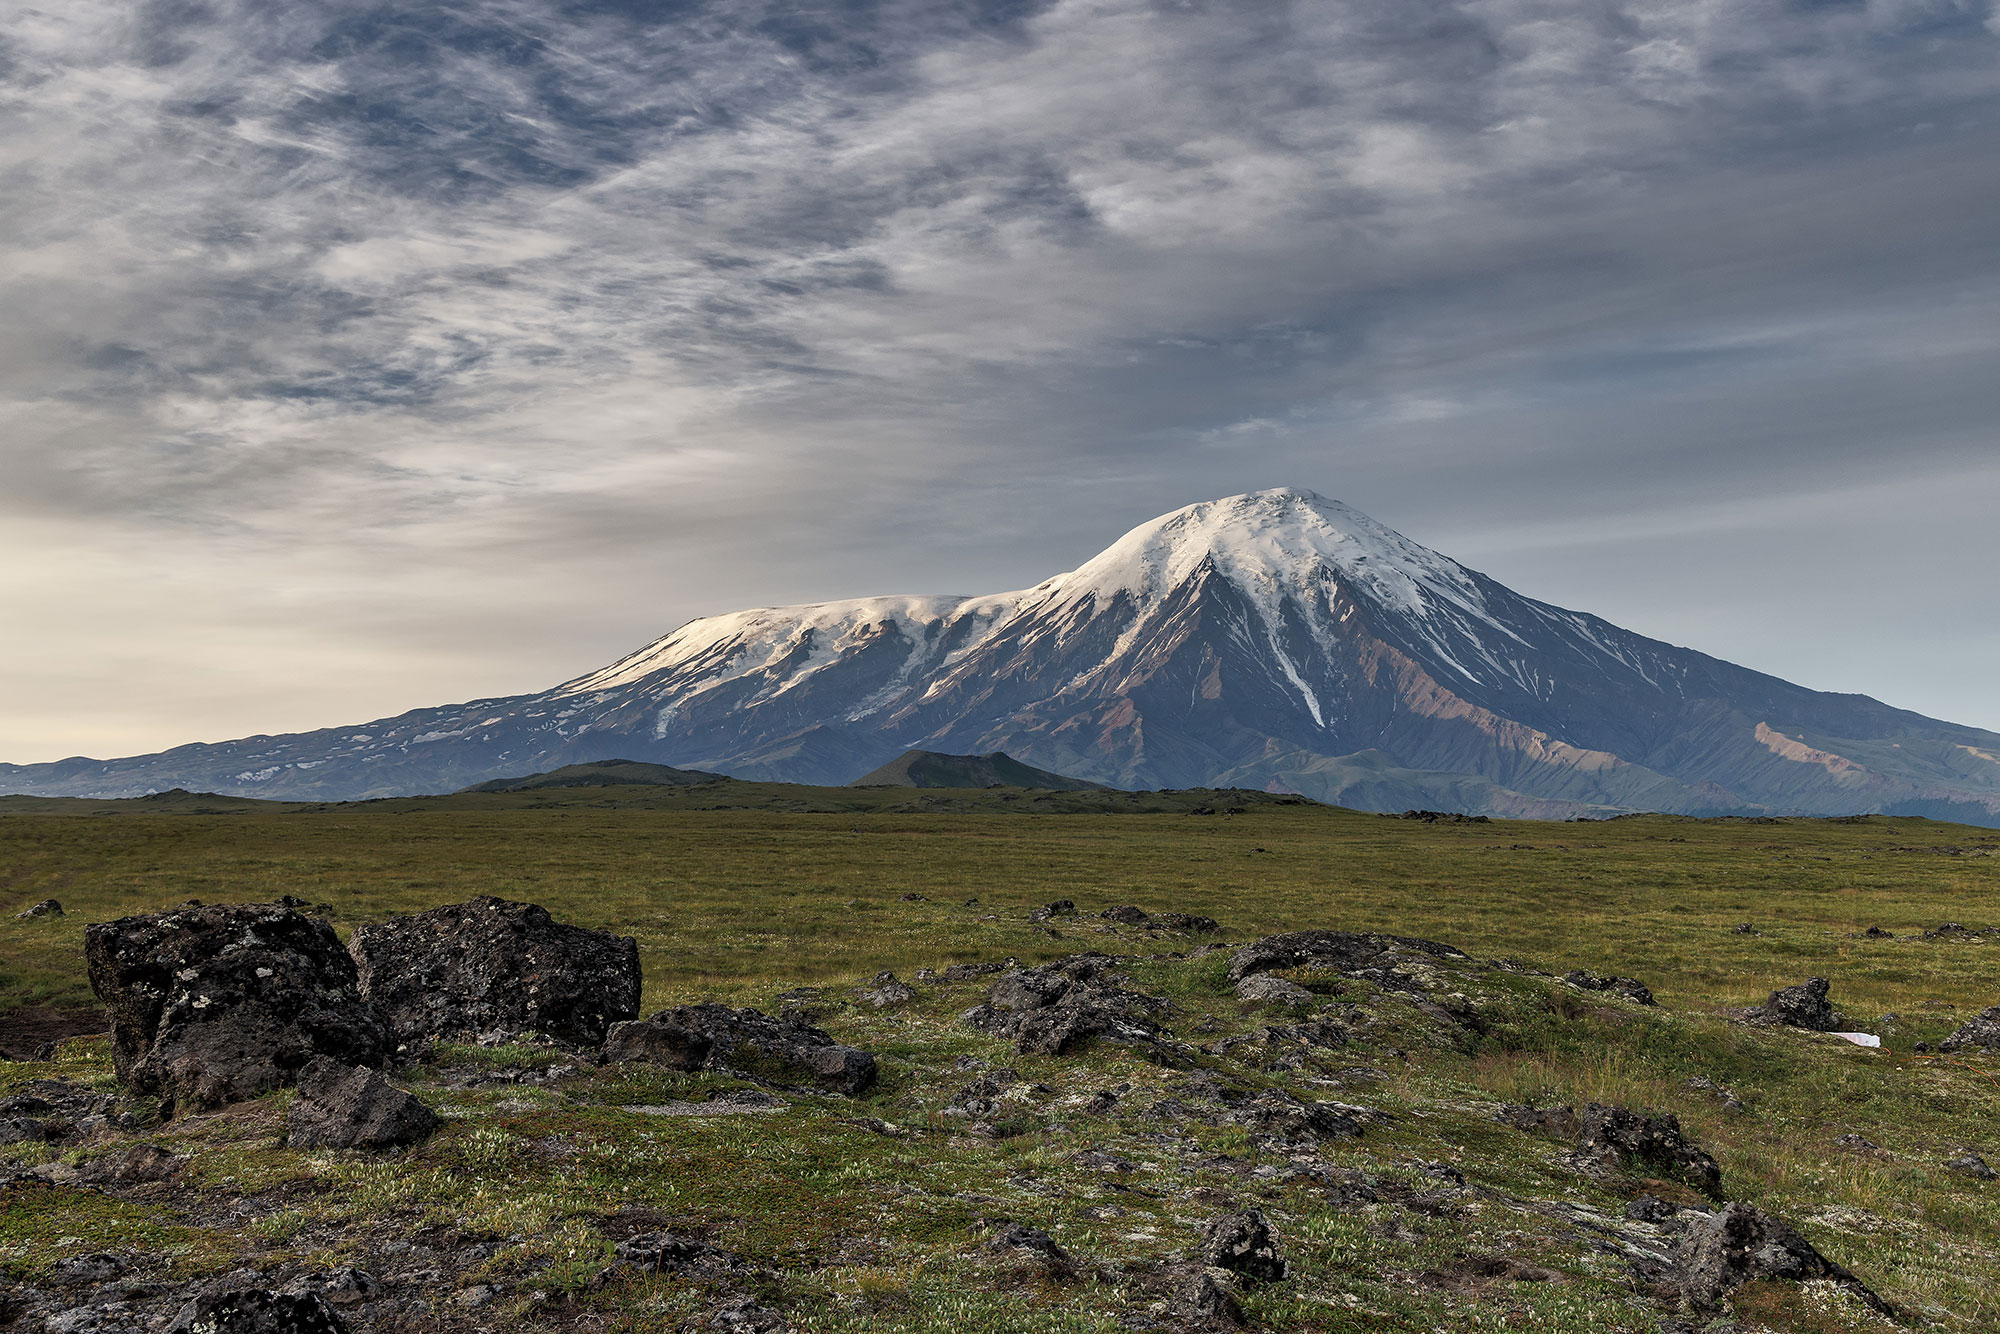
{"x":1275,"y":640}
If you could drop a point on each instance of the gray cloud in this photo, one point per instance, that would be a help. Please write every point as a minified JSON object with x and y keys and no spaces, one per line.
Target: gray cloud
{"x":364,"y":357}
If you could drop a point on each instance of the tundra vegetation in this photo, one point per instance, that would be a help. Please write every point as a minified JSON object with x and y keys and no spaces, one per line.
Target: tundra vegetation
{"x":1186,"y":1133}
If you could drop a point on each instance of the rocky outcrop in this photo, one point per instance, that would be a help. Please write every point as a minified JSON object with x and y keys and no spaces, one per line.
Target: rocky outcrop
{"x":1270,"y":989}
{"x":212,"y":1005}
{"x":492,"y":968}
{"x":1243,"y":1243}
{"x":1803,"y":1006}
{"x":777,"y":1051}
{"x":1631,"y":988}
{"x":353,"y":1107}
{"x":1371,"y":957}
{"x":656,"y":1041}
{"x":46,"y":908}
{"x":1720,"y":1252}
{"x":256,"y":1311}
{"x":1610,"y":1135}
{"x":1055,"y":1008}
{"x":1982,"y":1031}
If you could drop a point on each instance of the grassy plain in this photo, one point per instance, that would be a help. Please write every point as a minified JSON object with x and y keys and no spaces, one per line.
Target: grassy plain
{"x":873,"y":1232}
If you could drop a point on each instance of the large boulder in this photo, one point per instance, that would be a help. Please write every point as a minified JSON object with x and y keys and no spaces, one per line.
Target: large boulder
{"x":779,"y":1051}
{"x":216,"y":1004}
{"x":1720,"y":1252}
{"x":352,"y":1107}
{"x":1981,"y":1031}
{"x":1803,"y":1006}
{"x":490,"y":967}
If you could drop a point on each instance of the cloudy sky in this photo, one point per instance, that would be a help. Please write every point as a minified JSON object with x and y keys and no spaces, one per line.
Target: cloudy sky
{"x":358,"y":358}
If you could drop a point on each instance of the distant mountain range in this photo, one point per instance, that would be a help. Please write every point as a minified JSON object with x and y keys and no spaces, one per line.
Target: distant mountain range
{"x":1275,"y":640}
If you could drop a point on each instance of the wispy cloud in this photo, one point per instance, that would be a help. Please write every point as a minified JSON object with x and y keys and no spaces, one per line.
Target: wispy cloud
{"x":653,"y":301}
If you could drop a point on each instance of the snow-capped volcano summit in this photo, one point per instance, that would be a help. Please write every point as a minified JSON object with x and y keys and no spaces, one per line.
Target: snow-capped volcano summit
{"x":1273,"y":639}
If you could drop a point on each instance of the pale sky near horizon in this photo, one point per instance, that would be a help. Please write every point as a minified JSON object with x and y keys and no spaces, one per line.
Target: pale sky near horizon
{"x":355,"y":358}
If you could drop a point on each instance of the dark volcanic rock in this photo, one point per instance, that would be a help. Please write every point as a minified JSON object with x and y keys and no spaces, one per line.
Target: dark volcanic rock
{"x":1720,"y":1252}
{"x":46,"y":908}
{"x":255,"y":1311}
{"x":1204,"y":1297}
{"x":353,"y":1107}
{"x":1059,"y":908}
{"x":1611,"y":1133}
{"x":1971,"y":1164}
{"x":1802,"y":1006}
{"x":1540,"y":1120}
{"x":1186,"y":921}
{"x":1631,"y":988}
{"x":1127,"y":915}
{"x":1243,"y":1243}
{"x":213,"y":1005}
{"x":781,"y":1051}
{"x":1020,"y":1239}
{"x":1368,"y":956}
{"x":1052,"y":1009}
{"x":491,"y":966}
{"x":656,"y":1042}
{"x":1982,"y":1031}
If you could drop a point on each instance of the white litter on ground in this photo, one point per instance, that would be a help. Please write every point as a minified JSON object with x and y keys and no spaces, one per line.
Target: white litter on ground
{"x":1861,"y":1039}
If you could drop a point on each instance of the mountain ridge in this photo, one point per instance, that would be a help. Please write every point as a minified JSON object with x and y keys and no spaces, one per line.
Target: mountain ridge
{"x":1274,"y":636}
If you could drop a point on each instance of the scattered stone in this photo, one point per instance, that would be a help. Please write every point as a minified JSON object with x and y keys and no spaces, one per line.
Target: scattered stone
{"x":1127,"y":915}
{"x":746,"y":1315}
{"x":479,"y":1294}
{"x":656,"y":1042}
{"x":1610,"y":1134}
{"x":886,"y":990}
{"x":1243,"y":1243}
{"x":1018,"y":1237}
{"x":492,"y":966}
{"x":1270,"y":989}
{"x":1982,"y":1031}
{"x":1052,"y":1009}
{"x":779,"y":1051}
{"x":1971,"y":1164}
{"x":1860,"y":1144}
{"x":1877,"y":933}
{"x":1629,"y":987}
{"x":1959,"y":931}
{"x":1369,"y":957}
{"x":1720,"y":1252}
{"x":256,"y":1311}
{"x":1746,"y":929}
{"x":1059,"y":908}
{"x":1650,"y":1209}
{"x":46,"y":908}
{"x":1191,"y":922}
{"x":215,"y":1005}
{"x":1727,"y":1097}
{"x":352,"y":1107}
{"x":1802,"y":1006}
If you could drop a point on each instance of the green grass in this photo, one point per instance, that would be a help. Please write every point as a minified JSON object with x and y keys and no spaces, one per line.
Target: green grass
{"x":745,"y":905}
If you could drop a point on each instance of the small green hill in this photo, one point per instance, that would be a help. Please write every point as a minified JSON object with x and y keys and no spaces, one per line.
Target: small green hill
{"x":929,"y":768}
{"x":600,"y":773}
